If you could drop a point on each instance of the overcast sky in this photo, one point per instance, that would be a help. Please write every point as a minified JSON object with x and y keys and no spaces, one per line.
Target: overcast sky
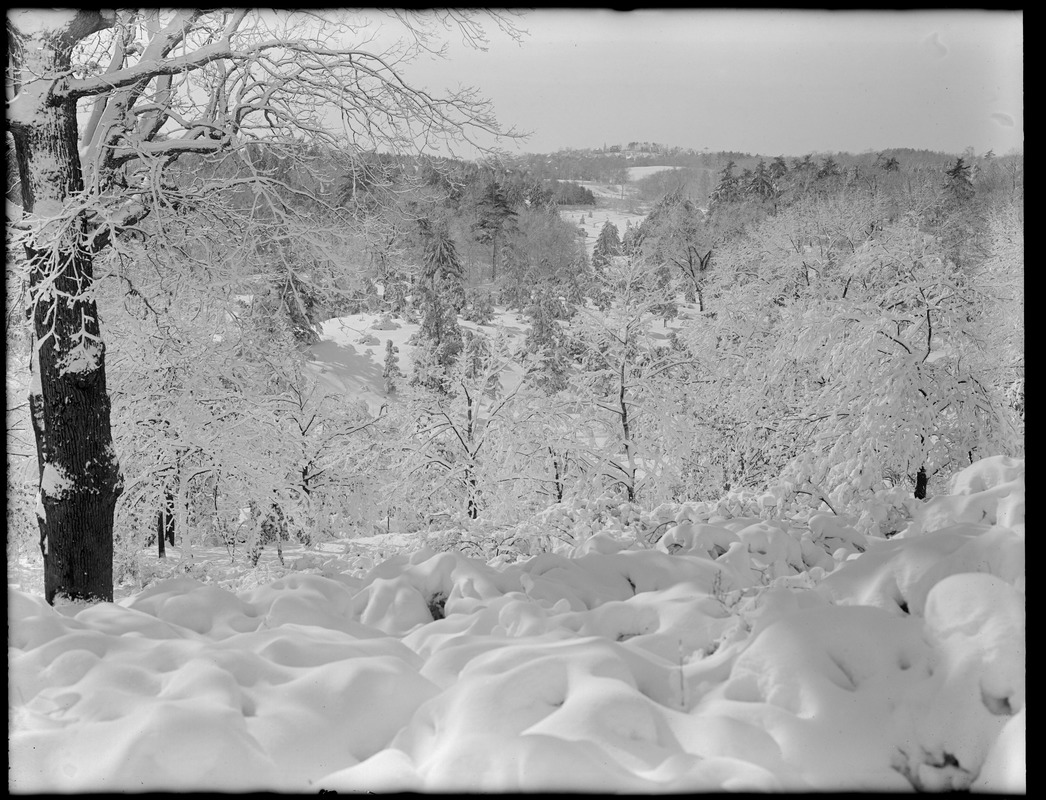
{"x":769,"y":82}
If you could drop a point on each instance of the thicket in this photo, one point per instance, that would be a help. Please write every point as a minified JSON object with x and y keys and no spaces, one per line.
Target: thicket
{"x":839,"y":333}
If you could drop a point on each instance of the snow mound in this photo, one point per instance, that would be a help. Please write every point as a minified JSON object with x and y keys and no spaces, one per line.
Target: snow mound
{"x":989,"y":492}
{"x":732,"y":655}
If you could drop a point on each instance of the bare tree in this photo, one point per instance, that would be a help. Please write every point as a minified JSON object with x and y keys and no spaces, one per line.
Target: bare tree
{"x":101,"y":103}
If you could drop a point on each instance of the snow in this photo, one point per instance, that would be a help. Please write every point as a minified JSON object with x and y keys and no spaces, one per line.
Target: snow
{"x":82,"y":359}
{"x":593,"y":220}
{"x":738,"y":654}
{"x":55,"y":481}
{"x":638,"y":173}
{"x":349,"y":358}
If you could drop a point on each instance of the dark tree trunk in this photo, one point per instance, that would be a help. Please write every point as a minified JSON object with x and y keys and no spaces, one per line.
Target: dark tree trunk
{"x":165,"y":524}
{"x":494,"y":260}
{"x":79,"y":474}
{"x":161,"y":551}
{"x":558,"y":471}
{"x":473,"y":505}
{"x":921,"y":480}
{"x":626,"y":432}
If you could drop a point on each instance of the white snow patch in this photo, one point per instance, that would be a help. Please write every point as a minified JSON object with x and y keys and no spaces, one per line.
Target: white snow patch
{"x":82,"y":359}
{"x":55,"y":481}
{"x":638,"y":173}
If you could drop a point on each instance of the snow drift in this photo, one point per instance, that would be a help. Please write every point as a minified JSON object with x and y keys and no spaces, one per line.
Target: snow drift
{"x":746,"y":655}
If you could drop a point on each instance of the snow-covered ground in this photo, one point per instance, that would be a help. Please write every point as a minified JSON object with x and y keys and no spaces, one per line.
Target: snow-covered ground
{"x":638,"y":173}
{"x":724,"y":649}
{"x":349,"y":358}
{"x":615,"y":203}
{"x":739,"y":653}
{"x":592,"y":220}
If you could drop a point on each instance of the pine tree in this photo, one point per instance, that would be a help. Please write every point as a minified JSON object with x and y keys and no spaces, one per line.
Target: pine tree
{"x":439,"y":325}
{"x":890,"y":164}
{"x":479,"y":308}
{"x":829,"y":168}
{"x":608,"y":245}
{"x":962,"y":222}
{"x":441,"y":265}
{"x":442,"y":295}
{"x":392,"y":369}
{"x":959,"y":185}
{"x":728,"y":188}
{"x":496,"y":218}
{"x":476,"y":363}
{"x":762,"y":184}
{"x":439,"y":343}
{"x":631,"y":241}
{"x":547,"y":341}
{"x":779,"y":168}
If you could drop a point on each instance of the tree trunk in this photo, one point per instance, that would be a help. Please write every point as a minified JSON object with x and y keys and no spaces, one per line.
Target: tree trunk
{"x":79,"y":474}
{"x":559,"y":477}
{"x":161,"y":551}
{"x":473,"y":491}
{"x":626,"y":431}
{"x":165,"y":524}
{"x":494,"y":259}
{"x":921,"y":481}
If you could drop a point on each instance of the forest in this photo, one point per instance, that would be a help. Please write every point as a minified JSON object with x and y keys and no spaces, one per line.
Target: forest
{"x":844,"y":331}
{"x":824,"y":341}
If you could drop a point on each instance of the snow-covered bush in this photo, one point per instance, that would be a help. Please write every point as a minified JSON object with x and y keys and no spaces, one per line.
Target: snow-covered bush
{"x":479,"y":308}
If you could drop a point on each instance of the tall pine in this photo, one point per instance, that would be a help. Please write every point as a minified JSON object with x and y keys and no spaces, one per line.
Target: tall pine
{"x":442,"y":296}
{"x":608,"y":245}
{"x":496,"y":219}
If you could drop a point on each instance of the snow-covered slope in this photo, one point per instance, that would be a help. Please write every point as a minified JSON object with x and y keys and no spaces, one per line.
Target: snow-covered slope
{"x":349,"y":358}
{"x":717,"y":660}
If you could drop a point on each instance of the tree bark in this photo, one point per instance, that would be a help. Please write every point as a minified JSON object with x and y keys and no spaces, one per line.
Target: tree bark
{"x":626,"y":431}
{"x":79,"y":474}
{"x":921,"y":481}
{"x":165,"y":524}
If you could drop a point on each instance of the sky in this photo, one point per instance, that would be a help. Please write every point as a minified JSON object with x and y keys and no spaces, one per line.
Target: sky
{"x":764,"y":82}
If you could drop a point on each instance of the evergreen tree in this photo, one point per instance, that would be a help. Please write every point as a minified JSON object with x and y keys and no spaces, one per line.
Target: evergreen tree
{"x":496,"y":218}
{"x":762,"y":183}
{"x":439,"y":343}
{"x":631,"y":241}
{"x":887,"y":164}
{"x":477,"y":362}
{"x":674,"y":236}
{"x":962,"y":223}
{"x":392,"y":369}
{"x":778,"y":169}
{"x":547,"y":341}
{"x":728,"y":188}
{"x":439,"y":336}
{"x":608,"y":245}
{"x":478,"y":307}
{"x":959,"y":185}
{"x":441,"y":265}
{"x":829,"y":168}
{"x":805,"y":164}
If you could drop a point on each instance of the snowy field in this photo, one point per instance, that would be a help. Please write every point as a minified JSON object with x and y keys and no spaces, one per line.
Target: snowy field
{"x":638,"y":173}
{"x":736,"y":653}
{"x":348,"y":359}
{"x":591,"y":220}
{"x":615,"y":203}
